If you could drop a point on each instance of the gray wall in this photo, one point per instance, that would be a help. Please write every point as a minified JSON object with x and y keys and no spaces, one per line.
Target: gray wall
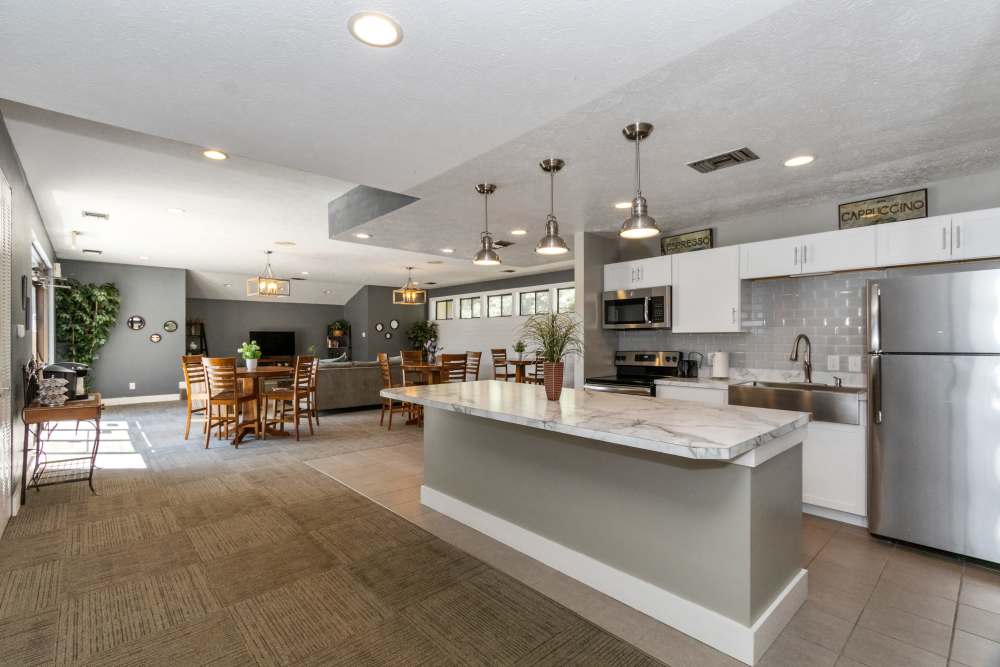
{"x":565,"y":276}
{"x":593,"y":251}
{"x":27,"y":226}
{"x":373,"y":304}
{"x":229,"y":323}
{"x":156,"y":294}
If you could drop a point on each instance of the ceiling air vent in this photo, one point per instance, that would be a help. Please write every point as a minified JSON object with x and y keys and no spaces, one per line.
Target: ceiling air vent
{"x":430,"y":282}
{"x":723,"y":160}
{"x":91,"y":251}
{"x":502,"y":244}
{"x":96,"y":215}
{"x":297,"y":278}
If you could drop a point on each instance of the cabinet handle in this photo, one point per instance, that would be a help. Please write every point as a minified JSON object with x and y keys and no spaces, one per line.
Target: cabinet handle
{"x":944,"y":238}
{"x":795,"y":262}
{"x":734,"y":316}
{"x":958,"y":236}
{"x":805,"y":255}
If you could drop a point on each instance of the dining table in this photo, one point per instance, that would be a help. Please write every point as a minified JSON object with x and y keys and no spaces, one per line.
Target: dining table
{"x":257,"y":376}
{"x":430,"y":371}
{"x":520,"y":375}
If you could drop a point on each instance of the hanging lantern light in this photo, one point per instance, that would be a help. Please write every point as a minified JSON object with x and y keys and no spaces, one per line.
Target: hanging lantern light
{"x":486,"y":256}
{"x":266,"y":284}
{"x":409,"y":294}
{"x":639,"y":225}
{"x":552,"y":243}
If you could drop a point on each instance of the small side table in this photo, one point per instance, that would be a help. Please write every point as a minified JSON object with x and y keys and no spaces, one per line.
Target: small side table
{"x":63,"y":471}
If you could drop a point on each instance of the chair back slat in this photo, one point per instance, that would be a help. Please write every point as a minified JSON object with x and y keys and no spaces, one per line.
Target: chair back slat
{"x":303,"y":373}
{"x":472,"y":367}
{"x":220,"y":372}
{"x":193,"y":371}
{"x":453,"y":367}
{"x":383,"y":366}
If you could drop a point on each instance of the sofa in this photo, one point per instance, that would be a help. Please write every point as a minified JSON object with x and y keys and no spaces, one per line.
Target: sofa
{"x":352,"y":384}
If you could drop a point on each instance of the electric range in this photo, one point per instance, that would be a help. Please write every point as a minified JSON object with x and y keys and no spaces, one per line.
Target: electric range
{"x":636,"y":373}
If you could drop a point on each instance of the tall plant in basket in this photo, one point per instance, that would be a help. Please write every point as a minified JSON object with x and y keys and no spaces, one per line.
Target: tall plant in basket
{"x":553,"y":336}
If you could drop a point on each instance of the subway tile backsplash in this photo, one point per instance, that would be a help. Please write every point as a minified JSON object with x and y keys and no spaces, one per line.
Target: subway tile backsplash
{"x":829,"y":309}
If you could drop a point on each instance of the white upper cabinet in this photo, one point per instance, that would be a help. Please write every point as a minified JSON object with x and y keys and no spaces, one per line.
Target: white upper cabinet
{"x":841,"y":250}
{"x":706,"y":290}
{"x":975,"y":234}
{"x":649,"y":272}
{"x":914,"y":241}
{"x":780,"y":257}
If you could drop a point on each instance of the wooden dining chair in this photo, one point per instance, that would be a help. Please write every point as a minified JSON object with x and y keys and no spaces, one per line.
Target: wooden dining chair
{"x":196,"y":390}
{"x":537,"y":375}
{"x":294,"y":399}
{"x":453,"y":367}
{"x":389,"y":405}
{"x":501,"y":370}
{"x":472,"y":366}
{"x":411,"y":378}
{"x":226,"y":397}
{"x":313,"y":381}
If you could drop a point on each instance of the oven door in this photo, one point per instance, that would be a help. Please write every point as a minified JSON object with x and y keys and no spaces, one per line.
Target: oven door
{"x":634,"y":390}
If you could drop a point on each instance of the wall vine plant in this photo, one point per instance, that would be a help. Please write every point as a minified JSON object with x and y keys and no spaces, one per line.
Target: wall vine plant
{"x":85,"y":314}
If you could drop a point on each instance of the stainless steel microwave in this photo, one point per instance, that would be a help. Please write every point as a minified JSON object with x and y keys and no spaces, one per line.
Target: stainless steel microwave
{"x":647,"y":308}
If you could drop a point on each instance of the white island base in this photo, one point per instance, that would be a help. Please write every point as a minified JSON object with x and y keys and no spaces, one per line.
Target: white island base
{"x":707,"y":546}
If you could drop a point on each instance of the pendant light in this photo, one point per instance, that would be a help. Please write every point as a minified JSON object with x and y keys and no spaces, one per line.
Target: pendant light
{"x":266,"y":284}
{"x":486,"y":256}
{"x":639,"y":225}
{"x":409,"y":294}
{"x":551,"y":243}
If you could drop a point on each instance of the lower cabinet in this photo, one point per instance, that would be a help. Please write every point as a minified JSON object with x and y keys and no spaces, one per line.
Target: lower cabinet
{"x":834,"y":467}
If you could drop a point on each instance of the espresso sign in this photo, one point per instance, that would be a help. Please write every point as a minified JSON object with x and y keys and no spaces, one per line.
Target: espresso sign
{"x":699,"y":240}
{"x":891,"y":208}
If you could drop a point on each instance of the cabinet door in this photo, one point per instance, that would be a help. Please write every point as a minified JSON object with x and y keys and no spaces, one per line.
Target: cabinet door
{"x":840,"y":250}
{"x":706,"y":290}
{"x":616,"y":276}
{"x":779,"y":257}
{"x":651,"y":272}
{"x":914,"y":241}
{"x":975,"y":234}
{"x":834,"y":467}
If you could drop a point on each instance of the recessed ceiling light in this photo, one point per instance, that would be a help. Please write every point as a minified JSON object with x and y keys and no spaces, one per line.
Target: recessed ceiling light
{"x":435,"y":261}
{"x":227,"y":284}
{"x":143,"y":257}
{"x":284,"y":243}
{"x":518,"y":232}
{"x":214,"y":154}
{"x":175,"y":211}
{"x":375,"y":29}
{"x":362,"y":235}
{"x":799,"y":160}
{"x":447,"y":251}
{"x":623,"y":204}
{"x":326,"y":291}
{"x":305,"y":273}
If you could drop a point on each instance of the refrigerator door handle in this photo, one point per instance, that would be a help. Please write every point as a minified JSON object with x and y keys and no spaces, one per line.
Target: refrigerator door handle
{"x":875,"y":386}
{"x":874,"y":321}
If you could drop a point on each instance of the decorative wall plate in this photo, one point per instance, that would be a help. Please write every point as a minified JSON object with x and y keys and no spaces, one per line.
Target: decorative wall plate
{"x":135,"y":322}
{"x":379,"y":327}
{"x":170,"y":326}
{"x":155,"y":338}
{"x":394,"y":324}
{"x":388,"y":335}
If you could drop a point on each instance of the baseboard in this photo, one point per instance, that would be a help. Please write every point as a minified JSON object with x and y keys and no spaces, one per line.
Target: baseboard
{"x":744,"y":643}
{"x":131,"y":400}
{"x":835,"y":515}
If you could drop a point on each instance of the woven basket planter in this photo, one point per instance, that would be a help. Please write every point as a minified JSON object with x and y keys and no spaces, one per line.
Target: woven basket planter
{"x":553,"y":374}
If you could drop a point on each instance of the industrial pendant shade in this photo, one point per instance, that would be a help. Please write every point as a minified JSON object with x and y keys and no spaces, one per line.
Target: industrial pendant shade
{"x":486,"y":256}
{"x":552,"y":243}
{"x":267,"y":284}
{"x":409,"y":294}
{"x":639,"y":225}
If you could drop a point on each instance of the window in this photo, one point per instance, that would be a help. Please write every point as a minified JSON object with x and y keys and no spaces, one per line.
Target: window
{"x":443,"y":310}
{"x":500,"y":305}
{"x":535,"y":303}
{"x":470,"y":308}
{"x":566,"y":299}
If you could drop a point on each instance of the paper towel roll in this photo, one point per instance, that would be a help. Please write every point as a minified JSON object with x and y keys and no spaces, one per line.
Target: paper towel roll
{"x":720,"y":364}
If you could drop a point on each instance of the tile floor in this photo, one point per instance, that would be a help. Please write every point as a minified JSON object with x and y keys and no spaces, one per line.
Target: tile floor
{"x":870,"y":602}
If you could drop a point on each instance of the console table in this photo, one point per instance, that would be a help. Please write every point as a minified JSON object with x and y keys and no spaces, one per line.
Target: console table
{"x":62,"y":471}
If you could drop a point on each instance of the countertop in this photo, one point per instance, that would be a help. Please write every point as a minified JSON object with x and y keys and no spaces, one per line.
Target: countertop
{"x":689,"y":429}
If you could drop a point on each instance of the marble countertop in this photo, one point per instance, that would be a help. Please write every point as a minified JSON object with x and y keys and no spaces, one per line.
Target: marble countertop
{"x":689,"y":429}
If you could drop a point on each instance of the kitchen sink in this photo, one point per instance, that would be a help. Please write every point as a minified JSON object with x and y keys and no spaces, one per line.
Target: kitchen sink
{"x":826,"y":402}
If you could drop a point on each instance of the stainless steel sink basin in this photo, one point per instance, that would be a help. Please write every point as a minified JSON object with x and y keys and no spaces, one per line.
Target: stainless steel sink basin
{"x":826,"y":402}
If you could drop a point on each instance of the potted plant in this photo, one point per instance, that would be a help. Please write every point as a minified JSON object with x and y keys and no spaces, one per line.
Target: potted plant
{"x":420,"y":334}
{"x":553,"y":336}
{"x":250,"y":353}
{"x":338,"y":328}
{"x":519,"y":348}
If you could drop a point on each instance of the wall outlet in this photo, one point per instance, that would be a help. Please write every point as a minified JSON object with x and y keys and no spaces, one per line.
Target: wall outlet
{"x":131,"y":386}
{"x":833,"y":362}
{"x":854,"y":363}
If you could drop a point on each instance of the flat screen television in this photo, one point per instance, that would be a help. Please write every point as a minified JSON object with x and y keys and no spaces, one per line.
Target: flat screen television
{"x":275,"y":343}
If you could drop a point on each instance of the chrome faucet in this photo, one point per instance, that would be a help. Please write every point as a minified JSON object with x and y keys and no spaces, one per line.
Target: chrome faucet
{"x":807,"y":367}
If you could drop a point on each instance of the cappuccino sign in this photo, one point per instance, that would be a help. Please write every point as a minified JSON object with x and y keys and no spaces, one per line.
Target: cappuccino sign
{"x":891,"y":208}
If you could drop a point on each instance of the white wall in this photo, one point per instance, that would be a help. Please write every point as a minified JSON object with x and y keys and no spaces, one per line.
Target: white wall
{"x":457,"y":335}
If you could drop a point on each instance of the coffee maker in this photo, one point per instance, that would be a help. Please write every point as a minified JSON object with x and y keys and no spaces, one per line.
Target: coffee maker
{"x":74,"y":373}
{"x":687,"y":367}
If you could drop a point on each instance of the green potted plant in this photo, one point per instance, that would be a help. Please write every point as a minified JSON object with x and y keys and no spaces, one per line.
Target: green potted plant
{"x":519,"y":348}
{"x":250,"y":353}
{"x":553,"y":336}
{"x":422,"y":333}
{"x":338,"y":328}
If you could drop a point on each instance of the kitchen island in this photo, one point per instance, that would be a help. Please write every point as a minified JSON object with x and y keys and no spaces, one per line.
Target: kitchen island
{"x":687,"y":512}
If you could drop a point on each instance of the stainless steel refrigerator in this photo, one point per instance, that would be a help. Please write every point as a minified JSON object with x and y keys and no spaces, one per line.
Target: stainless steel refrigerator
{"x":934,"y":411}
